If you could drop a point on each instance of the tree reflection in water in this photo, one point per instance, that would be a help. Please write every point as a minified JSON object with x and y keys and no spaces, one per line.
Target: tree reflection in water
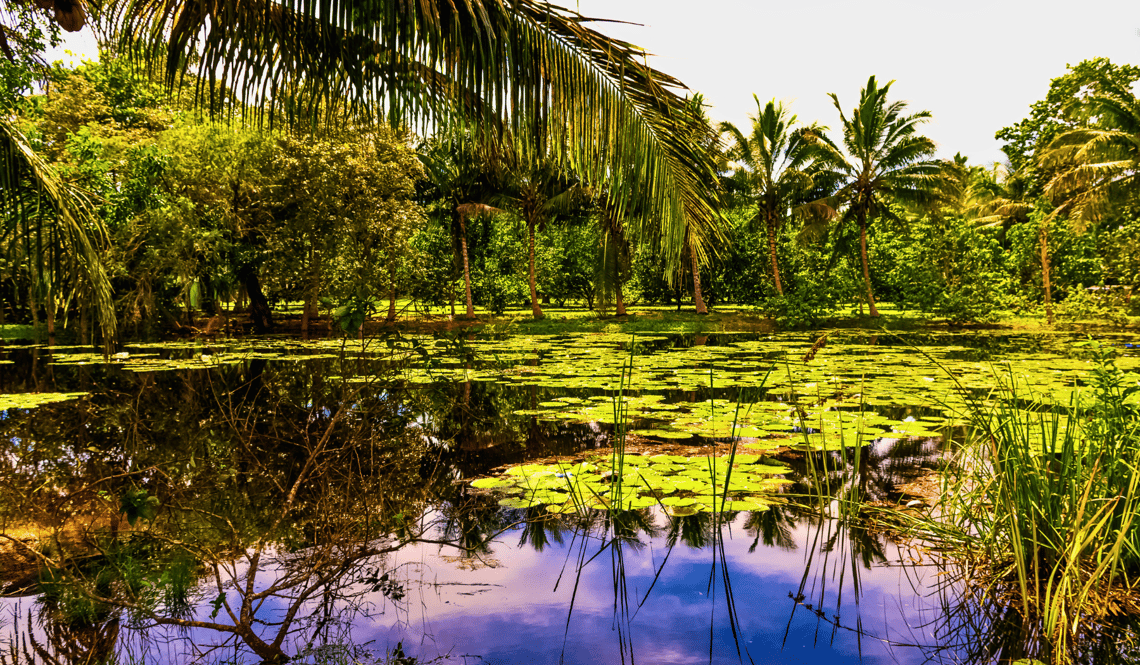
{"x":256,"y":505}
{"x":255,"y":511}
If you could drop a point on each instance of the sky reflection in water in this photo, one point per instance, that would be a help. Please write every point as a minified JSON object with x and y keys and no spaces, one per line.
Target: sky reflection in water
{"x":520,"y":616}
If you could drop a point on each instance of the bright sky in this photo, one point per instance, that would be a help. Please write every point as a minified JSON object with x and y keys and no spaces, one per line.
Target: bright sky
{"x":977,"y":65}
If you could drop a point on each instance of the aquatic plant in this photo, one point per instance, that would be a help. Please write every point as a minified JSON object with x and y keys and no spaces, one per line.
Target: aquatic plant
{"x":1043,"y":507}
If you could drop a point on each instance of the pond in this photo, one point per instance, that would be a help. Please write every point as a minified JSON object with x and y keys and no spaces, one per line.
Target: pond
{"x":502,"y":499}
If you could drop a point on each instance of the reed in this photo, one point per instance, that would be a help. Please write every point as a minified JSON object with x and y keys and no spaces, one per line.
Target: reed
{"x":1043,"y":507}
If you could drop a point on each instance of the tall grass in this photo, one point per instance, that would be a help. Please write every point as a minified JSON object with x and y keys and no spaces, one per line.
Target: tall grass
{"x":1043,"y":507}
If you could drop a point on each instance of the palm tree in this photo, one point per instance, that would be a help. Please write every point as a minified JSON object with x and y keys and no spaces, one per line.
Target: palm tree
{"x":886,"y":161}
{"x":538,"y":191}
{"x":773,"y":168}
{"x":462,"y":175}
{"x":1096,"y":168}
{"x":613,"y":259}
{"x":62,"y":237}
{"x":51,"y":224}
{"x":526,"y":70}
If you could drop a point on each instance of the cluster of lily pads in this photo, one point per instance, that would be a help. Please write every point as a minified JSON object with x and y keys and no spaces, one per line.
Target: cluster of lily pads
{"x":680,"y":485}
{"x":840,"y":397}
{"x":856,"y":389}
{"x":181,"y":355}
{"x":33,"y":400}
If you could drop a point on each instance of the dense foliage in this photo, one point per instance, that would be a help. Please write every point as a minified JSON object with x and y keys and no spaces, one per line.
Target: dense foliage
{"x":207,"y":216}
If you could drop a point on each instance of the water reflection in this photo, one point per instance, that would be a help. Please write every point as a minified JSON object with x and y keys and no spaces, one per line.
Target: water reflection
{"x":265,"y":511}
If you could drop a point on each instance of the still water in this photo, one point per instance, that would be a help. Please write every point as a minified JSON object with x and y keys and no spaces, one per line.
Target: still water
{"x":255,"y":500}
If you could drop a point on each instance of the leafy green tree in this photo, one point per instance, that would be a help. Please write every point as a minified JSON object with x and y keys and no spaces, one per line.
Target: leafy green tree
{"x":528,"y":70}
{"x":1025,"y":142}
{"x":773,"y":168}
{"x":346,"y":211}
{"x":1097,"y":165}
{"x":886,"y":161}
{"x":1083,"y":170}
{"x":25,"y":33}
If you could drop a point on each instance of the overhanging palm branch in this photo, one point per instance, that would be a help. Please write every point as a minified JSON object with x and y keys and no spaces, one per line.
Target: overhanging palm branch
{"x":32,"y":193}
{"x":523,"y":69}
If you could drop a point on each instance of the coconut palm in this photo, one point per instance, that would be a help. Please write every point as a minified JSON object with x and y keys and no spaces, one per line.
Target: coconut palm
{"x":538,"y":191}
{"x":886,"y":161}
{"x":463,"y":177}
{"x":524,"y":69}
{"x":1095,"y":168}
{"x":773,"y":168}
{"x":60,"y":237}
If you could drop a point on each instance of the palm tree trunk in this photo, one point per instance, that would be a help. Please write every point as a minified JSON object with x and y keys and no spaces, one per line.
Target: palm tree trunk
{"x":84,"y":324}
{"x":698,"y":298}
{"x":466,"y":266}
{"x":1045,"y":277}
{"x":392,"y":294}
{"x":772,"y":254}
{"x":535,"y":308}
{"x":50,"y":310}
{"x":310,"y":294}
{"x":866,"y":268}
{"x":619,"y":298}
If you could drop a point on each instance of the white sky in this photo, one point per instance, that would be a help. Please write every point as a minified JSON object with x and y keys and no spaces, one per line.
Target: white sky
{"x":977,"y":65}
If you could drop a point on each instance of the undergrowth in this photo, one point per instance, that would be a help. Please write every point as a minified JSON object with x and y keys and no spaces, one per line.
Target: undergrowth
{"x":1043,"y":508}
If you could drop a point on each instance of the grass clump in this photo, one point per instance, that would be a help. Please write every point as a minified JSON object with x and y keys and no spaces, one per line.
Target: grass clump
{"x":1044,"y":508}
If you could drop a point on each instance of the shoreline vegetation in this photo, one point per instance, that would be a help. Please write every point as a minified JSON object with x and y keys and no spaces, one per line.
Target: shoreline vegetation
{"x":1036,"y":510}
{"x":356,"y":171}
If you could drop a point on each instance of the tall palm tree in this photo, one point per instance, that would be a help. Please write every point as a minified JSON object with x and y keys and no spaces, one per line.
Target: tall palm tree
{"x":774,"y":164}
{"x":463,"y":176}
{"x":886,"y":160}
{"x":524,"y":69}
{"x":538,"y":191}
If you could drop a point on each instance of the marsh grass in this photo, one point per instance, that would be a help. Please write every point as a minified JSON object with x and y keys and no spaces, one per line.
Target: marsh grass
{"x":1042,"y":507}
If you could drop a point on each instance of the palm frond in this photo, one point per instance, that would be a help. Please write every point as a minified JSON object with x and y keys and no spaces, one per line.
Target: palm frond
{"x":31,"y":190}
{"x":525,"y":70}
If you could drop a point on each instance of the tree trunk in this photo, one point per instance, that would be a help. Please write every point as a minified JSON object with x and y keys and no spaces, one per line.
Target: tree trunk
{"x":392,"y":293}
{"x":466,"y":266}
{"x":619,"y":298}
{"x":310,"y":293}
{"x":1045,"y":277}
{"x":866,"y":269}
{"x":49,"y":308}
{"x":535,"y":308}
{"x":772,"y":254}
{"x":451,"y":299}
{"x":84,"y":324}
{"x":259,"y":313}
{"x":698,"y":299}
